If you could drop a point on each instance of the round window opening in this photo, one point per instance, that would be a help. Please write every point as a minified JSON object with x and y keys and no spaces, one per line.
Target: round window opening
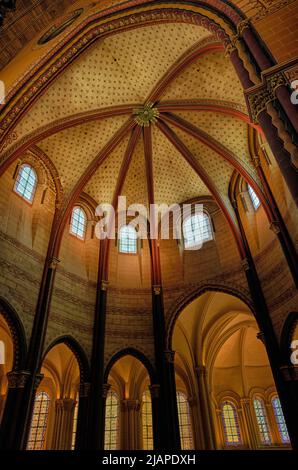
{"x":60,"y":26}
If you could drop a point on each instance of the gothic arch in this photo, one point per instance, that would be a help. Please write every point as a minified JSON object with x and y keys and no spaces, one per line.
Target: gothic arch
{"x":286,"y":336}
{"x":135,"y":353}
{"x":78,"y":352}
{"x":194,"y":294}
{"x":17,"y":332}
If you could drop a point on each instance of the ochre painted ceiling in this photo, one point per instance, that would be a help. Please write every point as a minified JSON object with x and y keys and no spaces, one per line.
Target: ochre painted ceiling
{"x":122,"y":72}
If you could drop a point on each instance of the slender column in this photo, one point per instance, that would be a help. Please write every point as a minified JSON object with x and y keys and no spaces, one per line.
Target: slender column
{"x":154,"y":391}
{"x":249,"y":423}
{"x":82,"y":423}
{"x":281,"y":155}
{"x":64,"y":413}
{"x":129,"y":424}
{"x":277,"y":83}
{"x":288,"y":400}
{"x":2,"y":404}
{"x":196,"y":426}
{"x":204,"y":397}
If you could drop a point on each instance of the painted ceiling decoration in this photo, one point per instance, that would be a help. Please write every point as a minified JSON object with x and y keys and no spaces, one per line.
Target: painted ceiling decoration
{"x":122,"y":87}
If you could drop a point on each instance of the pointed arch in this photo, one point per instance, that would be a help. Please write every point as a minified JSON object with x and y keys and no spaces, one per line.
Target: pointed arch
{"x":17,"y":332}
{"x":135,"y":353}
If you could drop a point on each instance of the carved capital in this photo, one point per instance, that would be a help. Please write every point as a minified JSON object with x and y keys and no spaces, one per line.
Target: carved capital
{"x":17,"y":379}
{"x":84,"y":389}
{"x":130,"y":405}
{"x":244,"y":24}
{"x":104,"y":285}
{"x":274,"y":226}
{"x":245,"y":264}
{"x":53,"y":263}
{"x":256,"y":161}
{"x":169,"y":355}
{"x":105,"y":390}
{"x":258,"y":102}
{"x":274,"y":81}
{"x":201,"y":371}
{"x":192,"y":401}
{"x":156,"y":289}
{"x":154,"y":390}
{"x":230,"y":47}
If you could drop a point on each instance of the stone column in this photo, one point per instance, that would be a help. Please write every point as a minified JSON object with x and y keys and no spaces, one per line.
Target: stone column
{"x":129,"y":424}
{"x":204,"y":400}
{"x":2,"y":405}
{"x":196,"y":425}
{"x":63,"y":425}
{"x":154,"y":391}
{"x":249,"y":423}
{"x":82,"y":423}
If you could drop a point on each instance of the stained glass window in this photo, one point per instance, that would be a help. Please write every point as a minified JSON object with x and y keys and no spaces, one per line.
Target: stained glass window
{"x":230,"y":424}
{"x":112,"y":422}
{"x":39,"y":422}
{"x":74,"y":424}
{"x":26,"y":182}
{"x":78,"y":223}
{"x":184,"y":422}
{"x":147,"y":421}
{"x":254,"y":198}
{"x":127,"y":239}
{"x":196,"y":230}
{"x":262,"y":422}
{"x":280,"y":421}
{"x":2,"y":352}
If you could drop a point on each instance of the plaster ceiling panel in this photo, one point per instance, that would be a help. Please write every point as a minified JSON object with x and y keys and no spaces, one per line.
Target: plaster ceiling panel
{"x":218,"y":170}
{"x":135,"y":185}
{"x":174,"y":179}
{"x":73,"y":149}
{"x":103,"y":183}
{"x":230,"y":132}
{"x":120,"y":69}
{"x":210,"y":76}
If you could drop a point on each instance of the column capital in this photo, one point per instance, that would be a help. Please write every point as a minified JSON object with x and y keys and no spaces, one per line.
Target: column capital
{"x":104,"y":285}
{"x":289,"y":373}
{"x":274,"y":226}
{"x":105,"y":390}
{"x":245,"y":401}
{"x":169,"y":356}
{"x":241,"y":26}
{"x":229,"y":48}
{"x":192,"y":401}
{"x":274,"y":81}
{"x":84,"y":389}
{"x":245,"y":264}
{"x":156,"y":289}
{"x":66,"y":404}
{"x":258,"y":102}
{"x":256,"y":161}
{"x":18,"y":378}
{"x":154,"y":390}
{"x":130,"y":405}
{"x":53,"y":262}
{"x":201,"y":371}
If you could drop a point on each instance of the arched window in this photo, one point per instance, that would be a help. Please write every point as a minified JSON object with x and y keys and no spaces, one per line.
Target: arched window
{"x":254,"y":198}
{"x":127,"y":239}
{"x":147,"y":421}
{"x":112,"y":422}
{"x":2,"y":352}
{"x":39,"y":422}
{"x":262,"y":422}
{"x":184,"y":422}
{"x":196,"y":230}
{"x":280,"y":420}
{"x":26,"y":182}
{"x":78,"y":222}
{"x":230,"y":424}
{"x":74,"y":424}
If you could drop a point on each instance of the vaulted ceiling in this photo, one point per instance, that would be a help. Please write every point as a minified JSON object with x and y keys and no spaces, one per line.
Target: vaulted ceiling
{"x":84,"y":120}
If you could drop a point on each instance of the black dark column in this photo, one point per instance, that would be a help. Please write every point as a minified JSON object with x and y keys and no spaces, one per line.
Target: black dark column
{"x":154,"y":391}
{"x":288,"y":400}
{"x":82,"y":423}
{"x":168,"y":424}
